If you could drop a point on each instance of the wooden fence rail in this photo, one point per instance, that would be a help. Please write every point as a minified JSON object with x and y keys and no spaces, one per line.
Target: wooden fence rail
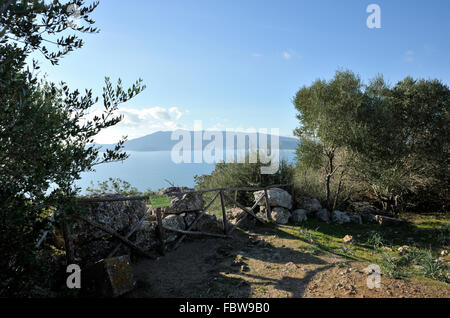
{"x":220,"y":192}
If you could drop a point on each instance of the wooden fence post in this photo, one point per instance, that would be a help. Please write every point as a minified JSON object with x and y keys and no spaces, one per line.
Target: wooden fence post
{"x":268,"y":209}
{"x":224,"y":214}
{"x":161,"y":231}
{"x":68,"y":242}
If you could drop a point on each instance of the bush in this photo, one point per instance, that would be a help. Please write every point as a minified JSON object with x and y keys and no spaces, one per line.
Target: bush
{"x":227,"y":175}
{"x":116,"y":185}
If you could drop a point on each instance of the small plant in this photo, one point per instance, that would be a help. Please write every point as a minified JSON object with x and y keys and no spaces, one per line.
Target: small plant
{"x":341,"y":264}
{"x":393,"y":266}
{"x":443,"y":237}
{"x":347,"y":249}
{"x":414,"y":256}
{"x":313,"y":249}
{"x":309,"y":237}
{"x":430,"y":267}
{"x":375,"y":239}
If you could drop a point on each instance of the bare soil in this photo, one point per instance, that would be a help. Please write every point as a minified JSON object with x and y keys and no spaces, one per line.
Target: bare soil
{"x":264,"y":263}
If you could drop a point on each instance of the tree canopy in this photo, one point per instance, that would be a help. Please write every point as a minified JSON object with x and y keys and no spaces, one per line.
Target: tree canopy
{"x":46,"y":138}
{"x":392,"y":140}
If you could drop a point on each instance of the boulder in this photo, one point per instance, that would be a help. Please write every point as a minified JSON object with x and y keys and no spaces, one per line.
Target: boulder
{"x":110,"y":277}
{"x":175,"y":222}
{"x":235,"y":214}
{"x":281,"y":215}
{"x":277,"y":198}
{"x":92,"y":244}
{"x":299,"y":215}
{"x":340,"y":217}
{"x":118,"y":216}
{"x":209,"y":223}
{"x":146,"y":236}
{"x":322,"y":215}
{"x":310,"y":205}
{"x":182,"y":200}
{"x":189,"y":218}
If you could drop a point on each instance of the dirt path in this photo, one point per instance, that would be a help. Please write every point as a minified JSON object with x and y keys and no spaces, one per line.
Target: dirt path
{"x":267,"y":263}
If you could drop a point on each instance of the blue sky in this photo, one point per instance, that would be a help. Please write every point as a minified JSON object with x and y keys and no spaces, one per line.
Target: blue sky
{"x":238,"y":63}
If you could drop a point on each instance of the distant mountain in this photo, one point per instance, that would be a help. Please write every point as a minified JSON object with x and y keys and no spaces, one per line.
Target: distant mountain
{"x":161,"y":141}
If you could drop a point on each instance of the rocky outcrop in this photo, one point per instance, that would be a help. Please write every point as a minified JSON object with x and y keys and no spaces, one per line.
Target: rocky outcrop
{"x":182,"y":200}
{"x":340,"y":217}
{"x":322,"y":215}
{"x":277,"y":198}
{"x":299,"y":216}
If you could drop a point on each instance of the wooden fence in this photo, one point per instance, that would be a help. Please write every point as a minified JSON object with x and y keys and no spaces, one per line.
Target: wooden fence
{"x":161,"y":229}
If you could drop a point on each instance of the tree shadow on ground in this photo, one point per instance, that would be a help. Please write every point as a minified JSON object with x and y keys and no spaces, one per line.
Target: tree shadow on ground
{"x":207,"y":268}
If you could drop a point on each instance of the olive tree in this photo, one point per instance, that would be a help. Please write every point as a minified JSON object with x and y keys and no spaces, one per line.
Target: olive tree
{"x":46,"y":138}
{"x":324,"y":110}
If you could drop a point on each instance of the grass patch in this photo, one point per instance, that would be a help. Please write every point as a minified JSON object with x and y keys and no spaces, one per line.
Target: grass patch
{"x":424,"y":237}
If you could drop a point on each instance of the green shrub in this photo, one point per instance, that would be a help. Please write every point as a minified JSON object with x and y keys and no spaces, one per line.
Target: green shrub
{"x":116,"y":185}
{"x":228,"y":175}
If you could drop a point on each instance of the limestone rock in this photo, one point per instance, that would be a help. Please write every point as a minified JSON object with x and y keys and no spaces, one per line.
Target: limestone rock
{"x":281,"y":215}
{"x":110,"y":277}
{"x":235,"y":214}
{"x":117,"y":216}
{"x":189,"y":218}
{"x":299,"y":215}
{"x":92,"y":244}
{"x":209,"y":223}
{"x":175,"y":222}
{"x":277,"y":198}
{"x":182,"y":202}
{"x":340,"y":217}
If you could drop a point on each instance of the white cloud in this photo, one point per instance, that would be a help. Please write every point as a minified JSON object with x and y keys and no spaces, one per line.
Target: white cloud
{"x":140,"y":122}
{"x":287,"y":55}
{"x":409,"y":56}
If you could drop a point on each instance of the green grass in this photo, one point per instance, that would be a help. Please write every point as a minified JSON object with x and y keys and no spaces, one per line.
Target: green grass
{"x":425,"y":235}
